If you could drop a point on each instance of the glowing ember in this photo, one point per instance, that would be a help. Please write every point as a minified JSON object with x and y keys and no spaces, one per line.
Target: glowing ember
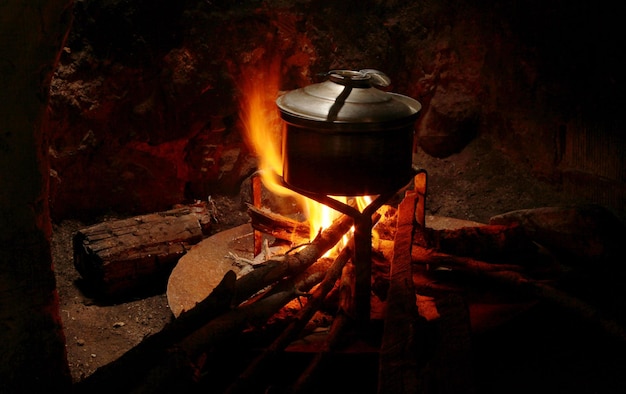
{"x":263,"y":125}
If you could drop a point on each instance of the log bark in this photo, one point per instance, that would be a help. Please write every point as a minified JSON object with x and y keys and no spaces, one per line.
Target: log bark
{"x":122,"y":257}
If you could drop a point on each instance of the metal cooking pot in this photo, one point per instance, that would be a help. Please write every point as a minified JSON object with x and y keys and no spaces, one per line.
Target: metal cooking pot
{"x":346,"y":136}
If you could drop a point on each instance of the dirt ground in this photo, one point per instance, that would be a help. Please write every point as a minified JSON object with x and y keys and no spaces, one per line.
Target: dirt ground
{"x":473,"y":185}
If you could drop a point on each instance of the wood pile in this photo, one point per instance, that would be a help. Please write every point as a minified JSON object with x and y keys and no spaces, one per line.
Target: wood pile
{"x":288,"y":324}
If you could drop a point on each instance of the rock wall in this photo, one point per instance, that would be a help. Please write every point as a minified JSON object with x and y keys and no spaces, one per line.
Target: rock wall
{"x":145,"y":102}
{"x":32,"y":341}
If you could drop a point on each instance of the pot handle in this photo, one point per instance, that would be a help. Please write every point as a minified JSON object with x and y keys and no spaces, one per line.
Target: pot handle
{"x":377,"y":78}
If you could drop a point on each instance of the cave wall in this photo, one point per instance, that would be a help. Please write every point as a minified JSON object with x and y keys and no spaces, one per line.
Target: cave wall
{"x":32,"y":350}
{"x":145,"y":101}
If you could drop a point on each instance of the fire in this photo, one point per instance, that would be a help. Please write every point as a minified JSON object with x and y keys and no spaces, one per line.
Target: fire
{"x":262,"y":123}
{"x":263,"y":129}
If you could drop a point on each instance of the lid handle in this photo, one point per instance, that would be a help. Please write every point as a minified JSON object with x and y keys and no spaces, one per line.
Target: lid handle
{"x":364,"y":78}
{"x":377,"y":78}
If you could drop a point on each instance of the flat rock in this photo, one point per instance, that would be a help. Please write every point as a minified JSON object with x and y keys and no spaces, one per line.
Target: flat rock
{"x":202,"y":268}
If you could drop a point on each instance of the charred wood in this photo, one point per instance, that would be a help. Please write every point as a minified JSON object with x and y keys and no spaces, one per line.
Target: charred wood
{"x":297,"y":325}
{"x":278,"y":226}
{"x":291,"y":264}
{"x":342,"y":323}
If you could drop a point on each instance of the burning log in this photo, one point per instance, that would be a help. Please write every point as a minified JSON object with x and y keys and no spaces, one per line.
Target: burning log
{"x":278,"y":226}
{"x":297,"y":325}
{"x":119,"y":257}
{"x":291,"y":264}
{"x":305,"y":314}
{"x":342,"y":322}
{"x":253,"y":312}
{"x":224,"y":326}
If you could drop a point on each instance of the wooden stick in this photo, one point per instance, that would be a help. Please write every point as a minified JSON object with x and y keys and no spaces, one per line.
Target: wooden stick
{"x":315,"y":301}
{"x":484,"y":242}
{"x":398,"y":372}
{"x":256,"y":201}
{"x":345,"y":319}
{"x":291,"y":264}
{"x":433,"y":259}
{"x":559,"y":298}
{"x":278,"y":226}
{"x":341,"y":324}
{"x":261,"y":310}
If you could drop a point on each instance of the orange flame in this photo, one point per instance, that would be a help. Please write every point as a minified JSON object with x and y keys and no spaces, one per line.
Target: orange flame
{"x":262,"y":124}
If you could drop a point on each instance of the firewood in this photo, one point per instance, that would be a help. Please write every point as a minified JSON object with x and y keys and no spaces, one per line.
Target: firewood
{"x":257,"y":189}
{"x":259,"y":311}
{"x":344,"y":320}
{"x":131,"y":368}
{"x":398,"y":365}
{"x":519,"y":282}
{"x":186,"y":356}
{"x":297,"y":325}
{"x":421,"y":351}
{"x":278,"y":226}
{"x":534,"y":289}
{"x":119,"y":257}
{"x":345,"y":306}
{"x":579,"y":234}
{"x":291,"y":264}
{"x":485,"y":242}
{"x":171,"y":358}
{"x":432,"y":260}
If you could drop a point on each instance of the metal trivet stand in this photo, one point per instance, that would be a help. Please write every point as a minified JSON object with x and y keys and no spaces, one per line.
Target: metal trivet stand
{"x":363,"y":234}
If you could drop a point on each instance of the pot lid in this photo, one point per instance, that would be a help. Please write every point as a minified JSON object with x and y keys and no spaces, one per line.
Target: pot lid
{"x":348,"y":97}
